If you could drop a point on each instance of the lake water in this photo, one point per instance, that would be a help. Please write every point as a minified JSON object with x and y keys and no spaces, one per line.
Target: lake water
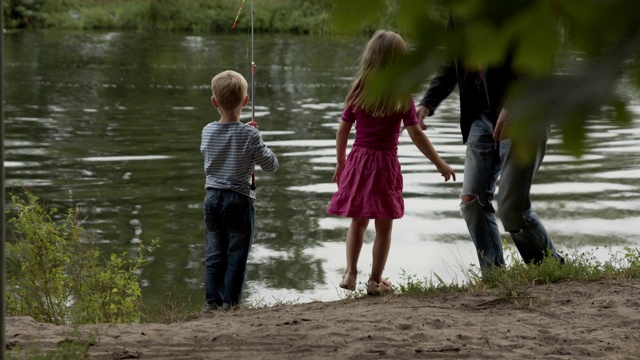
{"x":116,"y":119}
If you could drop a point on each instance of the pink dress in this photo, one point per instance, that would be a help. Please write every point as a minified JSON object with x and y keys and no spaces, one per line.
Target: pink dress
{"x":370,"y":186}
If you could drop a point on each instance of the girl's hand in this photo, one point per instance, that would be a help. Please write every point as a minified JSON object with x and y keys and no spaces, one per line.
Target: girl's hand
{"x":337,"y":173}
{"x":446,"y":171}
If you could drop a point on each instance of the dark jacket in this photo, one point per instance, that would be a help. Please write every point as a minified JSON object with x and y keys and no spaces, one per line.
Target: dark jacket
{"x":482,"y":91}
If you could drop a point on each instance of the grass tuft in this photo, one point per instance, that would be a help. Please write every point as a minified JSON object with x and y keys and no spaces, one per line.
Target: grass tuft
{"x":516,"y":279}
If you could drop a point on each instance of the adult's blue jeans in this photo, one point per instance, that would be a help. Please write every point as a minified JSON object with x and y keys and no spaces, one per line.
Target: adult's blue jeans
{"x":485,"y":160}
{"x":230,"y":222}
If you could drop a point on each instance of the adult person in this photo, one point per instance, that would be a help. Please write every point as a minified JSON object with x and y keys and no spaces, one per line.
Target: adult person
{"x":484,"y":123}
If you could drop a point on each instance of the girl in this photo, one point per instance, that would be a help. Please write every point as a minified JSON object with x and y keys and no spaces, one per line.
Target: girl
{"x":369,"y":180}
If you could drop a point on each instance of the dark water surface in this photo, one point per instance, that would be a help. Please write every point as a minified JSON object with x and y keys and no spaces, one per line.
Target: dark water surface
{"x":116,"y":119}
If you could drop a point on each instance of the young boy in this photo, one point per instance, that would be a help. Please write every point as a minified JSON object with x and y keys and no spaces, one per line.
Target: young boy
{"x":230,"y":150}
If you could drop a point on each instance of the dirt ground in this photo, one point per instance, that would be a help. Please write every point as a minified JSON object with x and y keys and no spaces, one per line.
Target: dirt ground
{"x":559,"y":321}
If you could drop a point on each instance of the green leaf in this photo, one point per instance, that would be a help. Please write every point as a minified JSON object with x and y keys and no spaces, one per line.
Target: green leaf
{"x":534,"y":32}
{"x":350,"y":16}
{"x":487,"y":44}
{"x":411,"y":15}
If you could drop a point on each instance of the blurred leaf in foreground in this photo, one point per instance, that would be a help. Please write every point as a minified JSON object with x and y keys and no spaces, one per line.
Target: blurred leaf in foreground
{"x":576,"y":53}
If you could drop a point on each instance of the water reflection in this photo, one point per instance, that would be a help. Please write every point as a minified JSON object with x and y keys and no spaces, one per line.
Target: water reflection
{"x":116,"y":118}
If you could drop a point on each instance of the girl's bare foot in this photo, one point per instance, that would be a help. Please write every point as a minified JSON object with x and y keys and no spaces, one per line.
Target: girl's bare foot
{"x":378,"y":288}
{"x":348,"y":282}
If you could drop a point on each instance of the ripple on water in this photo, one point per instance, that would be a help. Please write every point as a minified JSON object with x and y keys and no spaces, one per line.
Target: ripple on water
{"x":621,"y":174}
{"x":125,"y":158}
{"x":579,"y":188}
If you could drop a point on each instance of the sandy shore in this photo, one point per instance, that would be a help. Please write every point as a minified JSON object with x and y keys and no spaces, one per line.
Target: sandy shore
{"x":558,"y":321}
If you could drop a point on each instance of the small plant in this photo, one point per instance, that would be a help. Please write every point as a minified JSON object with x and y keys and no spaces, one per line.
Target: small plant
{"x":178,"y":309}
{"x":411,"y":285}
{"x":56,"y":274}
{"x":261,"y":303}
{"x":347,"y":296}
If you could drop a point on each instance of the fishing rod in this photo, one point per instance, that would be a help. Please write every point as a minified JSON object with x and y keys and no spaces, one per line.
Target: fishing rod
{"x":253,"y":64}
{"x":253,"y":82}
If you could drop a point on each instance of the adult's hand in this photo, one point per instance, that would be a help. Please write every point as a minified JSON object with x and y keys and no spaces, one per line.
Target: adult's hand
{"x":502,"y":126}
{"x":422,"y":112}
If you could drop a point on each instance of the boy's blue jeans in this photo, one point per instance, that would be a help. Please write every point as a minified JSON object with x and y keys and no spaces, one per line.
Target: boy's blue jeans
{"x":483,"y":163}
{"x":229,"y":218}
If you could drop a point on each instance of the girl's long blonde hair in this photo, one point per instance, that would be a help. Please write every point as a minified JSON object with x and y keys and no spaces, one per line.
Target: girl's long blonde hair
{"x":381,"y":51}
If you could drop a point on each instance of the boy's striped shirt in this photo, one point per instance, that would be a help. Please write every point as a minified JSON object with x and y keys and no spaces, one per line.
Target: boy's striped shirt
{"x":231,"y":151}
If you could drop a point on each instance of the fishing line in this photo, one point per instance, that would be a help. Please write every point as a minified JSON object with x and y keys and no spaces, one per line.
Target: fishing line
{"x":253,"y":82}
{"x":253,"y":64}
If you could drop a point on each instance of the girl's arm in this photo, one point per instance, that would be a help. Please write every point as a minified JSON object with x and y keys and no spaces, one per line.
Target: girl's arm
{"x":423,"y":143}
{"x":341,"y":148}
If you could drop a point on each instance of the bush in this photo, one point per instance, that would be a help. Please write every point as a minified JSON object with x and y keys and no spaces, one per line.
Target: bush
{"x":56,"y":274}
{"x":24,"y":13}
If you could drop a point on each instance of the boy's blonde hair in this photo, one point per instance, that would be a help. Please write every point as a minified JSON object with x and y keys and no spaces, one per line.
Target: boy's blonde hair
{"x":381,"y":51}
{"x":230,"y":89}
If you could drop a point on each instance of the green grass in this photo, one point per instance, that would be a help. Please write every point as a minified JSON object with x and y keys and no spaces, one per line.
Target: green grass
{"x":511,"y":282}
{"x":176,"y":309}
{"x":517,"y":278}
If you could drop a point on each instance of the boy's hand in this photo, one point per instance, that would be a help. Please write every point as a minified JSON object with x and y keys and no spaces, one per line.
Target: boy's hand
{"x":253,"y":123}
